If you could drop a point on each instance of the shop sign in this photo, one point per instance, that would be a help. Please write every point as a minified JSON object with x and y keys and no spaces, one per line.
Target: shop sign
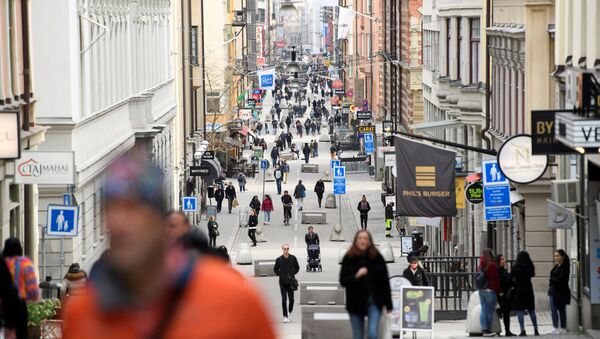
{"x":363,"y":115}
{"x":366,"y":129}
{"x":577,"y":131}
{"x":251,"y":103}
{"x":50,"y":168}
{"x":542,"y":134}
{"x":559,"y":216}
{"x":474,"y":193}
{"x":10,"y":138}
{"x":517,"y":163}
{"x":245,"y":114}
{"x":459,"y":185}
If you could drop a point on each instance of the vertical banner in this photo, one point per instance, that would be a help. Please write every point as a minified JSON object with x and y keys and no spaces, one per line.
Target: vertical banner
{"x":345,"y":20}
{"x":460,"y":192}
{"x":266,"y":79}
{"x":425,"y":180}
{"x":260,"y":50}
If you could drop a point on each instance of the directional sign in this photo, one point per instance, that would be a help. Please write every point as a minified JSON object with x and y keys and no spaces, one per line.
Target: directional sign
{"x":369,"y":146}
{"x":339,"y":172}
{"x":190,"y":204}
{"x":334,"y":163}
{"x":498,"y":213}
{"x":339,"y":185}
{"x":62,"y":220}
{"x":264,"y":164}
{"x":492,"y":174}
{"x":67,"y":199}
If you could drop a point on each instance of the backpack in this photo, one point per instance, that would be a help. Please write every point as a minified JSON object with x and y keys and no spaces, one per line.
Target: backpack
{"x":481,"y":282}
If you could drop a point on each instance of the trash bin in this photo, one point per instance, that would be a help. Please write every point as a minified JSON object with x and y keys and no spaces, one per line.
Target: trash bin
{"x":372,"y":171}
{"x":417,"y":240}
{"x":210,"y":191}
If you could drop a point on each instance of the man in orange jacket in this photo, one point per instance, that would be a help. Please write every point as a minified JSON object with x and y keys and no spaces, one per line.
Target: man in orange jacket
{"x":145,"y":288}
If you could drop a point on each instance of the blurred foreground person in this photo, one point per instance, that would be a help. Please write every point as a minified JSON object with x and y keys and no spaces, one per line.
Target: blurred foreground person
{"x":145,"y":288}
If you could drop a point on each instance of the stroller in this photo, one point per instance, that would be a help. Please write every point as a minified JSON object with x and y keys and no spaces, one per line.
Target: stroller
{"x":314,"y":259}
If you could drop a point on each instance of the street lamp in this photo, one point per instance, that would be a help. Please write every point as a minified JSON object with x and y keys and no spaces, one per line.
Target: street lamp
{"x":288,"y":9}
{"x":292,"y":67}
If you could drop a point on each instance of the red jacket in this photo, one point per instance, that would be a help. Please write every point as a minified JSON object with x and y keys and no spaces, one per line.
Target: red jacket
{"x":491,"y":274}
{"x":267,"y":205}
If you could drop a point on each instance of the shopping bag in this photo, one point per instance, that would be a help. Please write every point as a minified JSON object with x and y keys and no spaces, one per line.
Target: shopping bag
{"x":235,"y":203}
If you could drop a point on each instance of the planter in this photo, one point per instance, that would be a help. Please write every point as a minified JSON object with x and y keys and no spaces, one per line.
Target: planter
{"x":34,"y":332}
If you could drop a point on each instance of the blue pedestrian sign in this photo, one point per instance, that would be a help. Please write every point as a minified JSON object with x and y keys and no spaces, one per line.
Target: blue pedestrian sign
{"x":334,"y":163}
{"x":368,"y":137}
{"x":190,"y":204}
{"x":339,"y":172}
{"x":264,"y":164}
{"x":496,"y":196}
{"x":62,"y":220}
{"x":67,"y":199}
{"x":339,"y":186}
{"x":492,"y":174}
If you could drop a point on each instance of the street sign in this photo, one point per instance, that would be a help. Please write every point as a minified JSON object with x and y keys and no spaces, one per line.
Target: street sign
{"x":199,"y":171}
{"x":492,"y":174}
{"x":369,"y":146}
{"x":339,"y":185}
{"x":62,"y":220}
{"x":496,"y":196}
{"x":334,"y":163}
{"x":67,"y":199}
{"x":339,"y":172}
{"x":496,"y":192}
{"x":498,"y":213}
{"x":208,"y":155}
{"x":264,"y":164}
{"x":366,"y":129}
{"x":190,"y":204}
{"x":363,"y":115}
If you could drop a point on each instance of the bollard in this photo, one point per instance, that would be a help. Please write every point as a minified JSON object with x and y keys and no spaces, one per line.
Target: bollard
{"x":330,"y":201}
{"x":342,"y":252}
{"x":244,"y":256}
{"x":260,"y":233}
{"x":326,"y":178}
{"x":336,"y":233}
{"x":269,"y":176}
{"x":385,"y":248}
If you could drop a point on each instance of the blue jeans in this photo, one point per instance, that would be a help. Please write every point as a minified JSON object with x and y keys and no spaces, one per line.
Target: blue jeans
{"x":556,"y":311}
{"x":278,"y":183}
{"x":488,"y":307}
{"x":358,"y":323}
{"x":267,"y":216}
{"x":521,"y":319}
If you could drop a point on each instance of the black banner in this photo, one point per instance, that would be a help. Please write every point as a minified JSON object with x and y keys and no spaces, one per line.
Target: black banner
{"x":425,"y":180}
{"x":542,"y":134}
{"x":363,"y":115}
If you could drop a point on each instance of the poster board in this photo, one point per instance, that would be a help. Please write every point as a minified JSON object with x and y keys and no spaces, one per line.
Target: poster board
{"x":417,"y":305}
{"x":406,"y":243}
{"x":396,"y":283}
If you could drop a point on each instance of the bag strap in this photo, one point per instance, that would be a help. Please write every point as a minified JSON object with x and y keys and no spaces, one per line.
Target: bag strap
{"x":171,"y":308}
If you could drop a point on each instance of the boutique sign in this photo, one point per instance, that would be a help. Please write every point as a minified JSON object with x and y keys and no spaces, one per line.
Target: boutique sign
{"x":50,"y":168}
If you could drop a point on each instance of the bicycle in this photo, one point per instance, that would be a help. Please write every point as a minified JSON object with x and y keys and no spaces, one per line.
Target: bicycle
{"x":401,"y":225}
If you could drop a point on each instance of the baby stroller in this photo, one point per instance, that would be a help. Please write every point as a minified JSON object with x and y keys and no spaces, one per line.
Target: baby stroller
{"x":314,"y":259}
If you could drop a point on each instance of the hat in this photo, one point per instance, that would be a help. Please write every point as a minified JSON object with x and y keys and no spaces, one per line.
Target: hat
{"x":412,"y":258}
{"x":135,"y":179}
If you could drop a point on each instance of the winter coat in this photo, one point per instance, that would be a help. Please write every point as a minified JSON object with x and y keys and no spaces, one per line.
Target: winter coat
{"x":389,"y":212}
{"x":278,"y":174}
{"x":286,"y":199}
{"x":559,"y":284}
{"x":522,"y":296}
{"x":504,"y":276}
{"x":364,"y":208}
{"x":219,"y":195}
{"x":319,"y":188}
{"x":212,"y":228}
{"x":252,"y":222}
{"x":306,"y":150}
{"x":312,"y":240}
{"x":286,"y":269}
{"x":267,"y":205}
{"x":491,"y":275}
{"x":418,"y":278}
{"x":375,"y":283}
{"x":274,"y":153}
{"x":255,"y":204}
{"x":241,"y":178}
{"x":300,"y":191}
{"x":230,"y":192}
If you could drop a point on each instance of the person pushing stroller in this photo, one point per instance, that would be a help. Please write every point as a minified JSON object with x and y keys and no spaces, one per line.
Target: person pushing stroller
{"x":313,"y":250}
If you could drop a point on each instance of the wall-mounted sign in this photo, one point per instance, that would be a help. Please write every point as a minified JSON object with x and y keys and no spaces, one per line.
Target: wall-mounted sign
{"x":199,"y":171}
{"x":250,"y":103}
{"x":364,"y":115}
{"x":542,"y":134}
{"x":496,"y":192}
{"x":576,"y":131}
{"x":459,"y":184}
{"x":208,"y":155}
{"x":517,"y":162}
{"x":10,"y":137}
{"x":51,"y":168}
{"x":245,"y":114}
{"x":559,"y":216}
{"x":474,"y":193}
{"x":366,"y":129}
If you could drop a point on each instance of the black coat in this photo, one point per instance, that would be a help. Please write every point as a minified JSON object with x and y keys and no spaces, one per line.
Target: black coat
{"x":419,"y":278}
{"x":252,"y":221}
{"x":230,"y":192}
{"x":389,"y":212}
{"x":219,"y":195}
{"x":314,"y":240}
{"x":376,"y":283}
{"x":319,"y":188}
{"x":522,"y":297}
{"x":255,"y":204}
{"x":559,"y":284}
{"x":505,"y":282}
{"x":286,"y":269}
{"x":364,"y":210}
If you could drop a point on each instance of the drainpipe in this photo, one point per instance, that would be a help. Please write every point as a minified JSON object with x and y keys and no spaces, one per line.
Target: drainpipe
{"x":203,"y":71}
{"x":183,"y":76}
{"x":488,"y":17}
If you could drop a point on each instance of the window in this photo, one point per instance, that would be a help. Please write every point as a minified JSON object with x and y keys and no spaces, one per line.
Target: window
{"x":458,"y":46}
{"x":194,"y":45}
{"x":213,"y":103}
{"x":260,"y":15}
{"x":435,"y":51}
{"x":448,"y":46}
{"x":474,"y":50}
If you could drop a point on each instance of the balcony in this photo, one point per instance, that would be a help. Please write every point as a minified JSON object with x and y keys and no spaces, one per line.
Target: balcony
{"x":240,"y":18}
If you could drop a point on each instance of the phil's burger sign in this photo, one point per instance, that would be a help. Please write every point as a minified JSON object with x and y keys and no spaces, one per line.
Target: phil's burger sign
{"x":50,"y":168}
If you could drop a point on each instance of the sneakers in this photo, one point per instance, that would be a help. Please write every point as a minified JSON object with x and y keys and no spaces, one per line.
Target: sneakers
{"x":556,"y":331}
{"x":290,"y":317}
{"x":563,"y":331}
{"x":286,"y":320}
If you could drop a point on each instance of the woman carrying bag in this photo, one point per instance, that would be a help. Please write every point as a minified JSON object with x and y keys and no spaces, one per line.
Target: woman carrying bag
{"x":559,"y":291}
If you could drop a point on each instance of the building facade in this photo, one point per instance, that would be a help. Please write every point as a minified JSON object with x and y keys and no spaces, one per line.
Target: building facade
{"x":108,"y":87}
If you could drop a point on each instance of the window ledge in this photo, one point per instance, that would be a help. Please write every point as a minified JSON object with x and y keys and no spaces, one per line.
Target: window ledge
{"x":470,"y":88}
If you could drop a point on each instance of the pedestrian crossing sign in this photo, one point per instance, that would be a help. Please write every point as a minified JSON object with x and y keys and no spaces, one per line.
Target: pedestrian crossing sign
{"x":339,"y":172}
{"x":334,"y":163}
{"x":190,"y":204}
{"x":62,"y":220}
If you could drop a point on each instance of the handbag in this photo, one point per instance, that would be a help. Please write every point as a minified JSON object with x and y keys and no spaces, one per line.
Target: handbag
{"x":235,"y":203}
{"x":384,"y":330}
{"x":294,"y":283}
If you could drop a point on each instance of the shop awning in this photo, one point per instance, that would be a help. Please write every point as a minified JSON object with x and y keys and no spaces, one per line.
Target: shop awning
{"x":215,"y":169}
{"x":515,"y":197}
{"x":244,"y":131}
{"x":436,"y":125}
{"x":473,"y":177}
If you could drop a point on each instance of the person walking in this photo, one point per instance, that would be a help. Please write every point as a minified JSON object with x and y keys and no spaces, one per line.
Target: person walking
{"x":523,"y":298}
{"x":286,"y":267}
{"x":278,"y":175}
{"x":364,"y":274}
{"x":319,"y":190}
{"x":274,"y":155}
{"x":286,"y":200}
{"x":332,"y":150}
{"x":285,"y":169}
{"x":219,"y":196}
{"x":300,"y":194}
{"x":267,"y":207}
{"x":559,"y":292}
{"x":415,"y":273}
{"x":364,"y":207}
{"x":504,"y":297}
{"x":252,"y":223}
{"x":315,"y":148}
{"x":389,"y":219}
{"x":311,"y":238}
{"x":73,"y":283}
{"x":488,"y":287}
{"x":230,"y":195}
{"x":213,"y":231}
{"x":241,"y":178}
{"x":255,"y":204}
{"x":306,"y":152}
